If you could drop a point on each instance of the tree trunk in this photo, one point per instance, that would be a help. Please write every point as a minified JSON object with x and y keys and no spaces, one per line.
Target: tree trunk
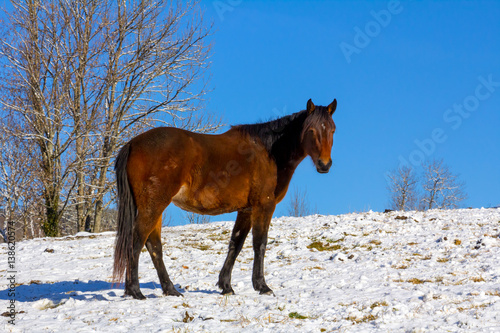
{"x":51,"y":223}
{"x":98,"y":216}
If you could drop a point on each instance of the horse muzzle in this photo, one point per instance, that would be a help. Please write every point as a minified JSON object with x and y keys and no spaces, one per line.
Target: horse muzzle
{"x":321,"y":167}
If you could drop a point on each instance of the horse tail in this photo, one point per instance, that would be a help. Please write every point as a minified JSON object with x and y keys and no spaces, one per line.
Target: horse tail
{"x":127,"y":212}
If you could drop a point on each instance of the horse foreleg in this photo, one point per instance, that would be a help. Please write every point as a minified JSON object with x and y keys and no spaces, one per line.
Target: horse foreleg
{"x":153,"y":244}
{"x":261,"y":218}
{"x":240,"y":231}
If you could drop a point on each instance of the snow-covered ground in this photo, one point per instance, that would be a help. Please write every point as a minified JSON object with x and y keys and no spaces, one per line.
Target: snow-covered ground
{"x":367,"y":272}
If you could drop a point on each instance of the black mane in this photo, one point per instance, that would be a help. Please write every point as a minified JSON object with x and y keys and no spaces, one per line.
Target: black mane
{"x":280,"y":137}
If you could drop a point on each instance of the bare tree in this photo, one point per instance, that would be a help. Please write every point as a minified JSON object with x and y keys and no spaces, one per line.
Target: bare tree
{"x":402,"y":189}
{"x":442,"y":189}
{"x":33,"y":91}
{"x":18,"y":183}
{"x":193,"y":218}
{"x":85,"y":76}
{"x":299,"y":206}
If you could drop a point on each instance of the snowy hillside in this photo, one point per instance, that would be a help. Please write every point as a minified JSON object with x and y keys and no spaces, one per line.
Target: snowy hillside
{"x":370,"y":272}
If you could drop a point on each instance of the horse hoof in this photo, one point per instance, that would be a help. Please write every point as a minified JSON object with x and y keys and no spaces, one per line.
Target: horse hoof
{"x":136,"y":295}
{"x":173,"y":293}
{"x":267,"y":291}
{"x":227,"y":292}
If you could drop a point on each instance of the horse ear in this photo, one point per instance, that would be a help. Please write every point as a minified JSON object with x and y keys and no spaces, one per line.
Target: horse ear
{"x":332,"y":107}
{"x":310,"y":106}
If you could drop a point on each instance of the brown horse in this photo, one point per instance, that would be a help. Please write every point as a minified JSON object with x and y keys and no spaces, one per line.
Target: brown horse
{"x":246,"y":169}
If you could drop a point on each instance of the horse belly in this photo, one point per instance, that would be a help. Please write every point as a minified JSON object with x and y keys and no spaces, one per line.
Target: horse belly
{"x":210,"y":200}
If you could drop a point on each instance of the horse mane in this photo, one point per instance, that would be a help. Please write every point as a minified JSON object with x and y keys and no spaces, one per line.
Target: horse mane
{"x":278,"y":136}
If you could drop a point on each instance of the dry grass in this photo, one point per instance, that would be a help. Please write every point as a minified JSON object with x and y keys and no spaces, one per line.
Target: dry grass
{"x":439,"y":279}
{"x":417,"y":281}
{"x":320,"y":246}
{"x":367,"y":247}
{"x":365,"y":319}
{"x":477,"y":279}
{"x":493,"y":293}
{"x":199,"y":246}
{"x":413,"y":280}
{"x":296,"y":315}
{"x":311,"y":268}
{"x":473,"y":307}
{"x":377,"y":304}
{"x":184,"y":304}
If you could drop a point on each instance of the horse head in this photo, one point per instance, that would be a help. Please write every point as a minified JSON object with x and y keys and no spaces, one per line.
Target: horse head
{"x":317,"y":134}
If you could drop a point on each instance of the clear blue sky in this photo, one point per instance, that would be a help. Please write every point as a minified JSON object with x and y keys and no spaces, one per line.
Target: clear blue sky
{"x":413,"y":72}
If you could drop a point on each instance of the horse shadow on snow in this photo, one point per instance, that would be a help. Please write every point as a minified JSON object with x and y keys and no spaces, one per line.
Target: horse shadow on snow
{"x":78,"y":290}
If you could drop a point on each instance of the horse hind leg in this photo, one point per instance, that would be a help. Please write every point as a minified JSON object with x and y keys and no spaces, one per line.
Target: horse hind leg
{"x":153,"y":244}
{"x":143,"y":226}
{"x":132,"y":287}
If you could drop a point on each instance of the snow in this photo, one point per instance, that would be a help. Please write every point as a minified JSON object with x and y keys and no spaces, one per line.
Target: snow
{"x":374,"y":272}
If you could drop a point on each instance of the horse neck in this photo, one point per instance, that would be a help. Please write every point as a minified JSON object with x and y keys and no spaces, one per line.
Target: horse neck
{"x":287,"y":150}
{"x":288,"y":157}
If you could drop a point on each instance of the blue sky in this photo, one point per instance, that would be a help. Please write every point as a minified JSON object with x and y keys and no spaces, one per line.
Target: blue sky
{"x":414,"y":81}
